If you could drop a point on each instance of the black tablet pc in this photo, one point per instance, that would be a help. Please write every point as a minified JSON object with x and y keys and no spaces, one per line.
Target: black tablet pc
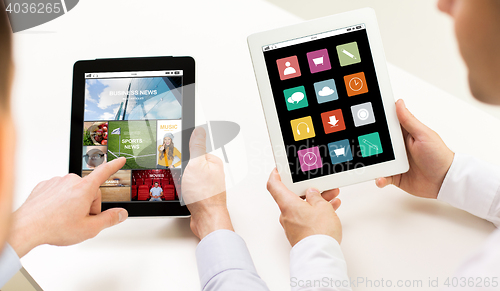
{"x":142,"y":109}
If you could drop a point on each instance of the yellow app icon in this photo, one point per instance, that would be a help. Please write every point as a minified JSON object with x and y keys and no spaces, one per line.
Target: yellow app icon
{"x":302,"y":128}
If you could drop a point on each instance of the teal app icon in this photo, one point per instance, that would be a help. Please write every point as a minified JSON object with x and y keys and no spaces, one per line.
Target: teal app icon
{"x":370,"y":144}
{"x":295,"y":98}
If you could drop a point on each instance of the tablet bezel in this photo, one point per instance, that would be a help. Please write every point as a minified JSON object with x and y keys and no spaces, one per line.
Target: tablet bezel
{"x":187,"y":64}
{"x":366,"y":16}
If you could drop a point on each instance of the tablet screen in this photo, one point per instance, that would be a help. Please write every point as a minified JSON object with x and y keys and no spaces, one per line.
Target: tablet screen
{"x":136,"y":115}
{"x":328,"y":103}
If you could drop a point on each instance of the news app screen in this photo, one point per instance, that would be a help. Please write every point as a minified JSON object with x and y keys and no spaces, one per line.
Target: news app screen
{"x":136,"y":115}
{"x":328,"y":102}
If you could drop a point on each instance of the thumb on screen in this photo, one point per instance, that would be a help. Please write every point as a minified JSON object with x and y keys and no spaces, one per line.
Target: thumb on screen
{"x":197,"y":143}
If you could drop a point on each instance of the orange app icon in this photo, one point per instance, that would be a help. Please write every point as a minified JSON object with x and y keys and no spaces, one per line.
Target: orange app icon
{"x":355,"y":84}
{"x":333,"y":121}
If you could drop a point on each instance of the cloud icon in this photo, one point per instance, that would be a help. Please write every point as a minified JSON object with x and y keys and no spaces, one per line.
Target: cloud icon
{"x":296,"y":97}
{"x":326,"y":91}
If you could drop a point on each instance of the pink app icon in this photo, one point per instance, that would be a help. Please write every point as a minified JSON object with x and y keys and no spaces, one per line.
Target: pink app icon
{"x":310,"y":159}
{"x":288,"y":67}
{"x":319,"y":61}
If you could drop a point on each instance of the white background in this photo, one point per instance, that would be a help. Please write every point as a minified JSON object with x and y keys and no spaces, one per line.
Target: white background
{"x":387,"y":233}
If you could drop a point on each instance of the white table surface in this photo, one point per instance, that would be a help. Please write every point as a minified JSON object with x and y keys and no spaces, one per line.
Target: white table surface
{"x":387,"y":233}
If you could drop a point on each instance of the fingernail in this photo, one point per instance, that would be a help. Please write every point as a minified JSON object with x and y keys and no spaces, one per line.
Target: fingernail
{"x":199,"y":131}
{"x":122,"y":215}
{"x":312,"y":190}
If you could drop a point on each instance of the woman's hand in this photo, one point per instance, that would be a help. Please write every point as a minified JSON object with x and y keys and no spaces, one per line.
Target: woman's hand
{"x":65,"y":211}
{"x":299,"y":218}
{"x":430,"y":159}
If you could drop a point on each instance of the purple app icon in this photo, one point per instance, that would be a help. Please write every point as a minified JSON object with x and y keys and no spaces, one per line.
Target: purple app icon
{"x":310,"y":159}
{"x":319,"y":61}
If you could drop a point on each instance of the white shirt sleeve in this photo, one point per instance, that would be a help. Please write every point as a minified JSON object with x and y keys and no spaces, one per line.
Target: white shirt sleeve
{"x":317,"y":264}
{"x":474,"y":186}
{"x":481,"y":269}
{"x":9,"y":264}
{"x":224,"y":263}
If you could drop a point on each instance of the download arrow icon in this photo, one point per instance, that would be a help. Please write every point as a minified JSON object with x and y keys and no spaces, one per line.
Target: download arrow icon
{"x":333,"y":121}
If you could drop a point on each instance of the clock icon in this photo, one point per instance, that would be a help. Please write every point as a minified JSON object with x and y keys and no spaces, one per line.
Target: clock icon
{"x":310,"y":159}
{"x":356,"y":84}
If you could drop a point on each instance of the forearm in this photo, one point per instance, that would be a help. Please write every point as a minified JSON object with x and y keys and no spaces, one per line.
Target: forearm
{"x":318,"y":261}
{"x":474,"y":186}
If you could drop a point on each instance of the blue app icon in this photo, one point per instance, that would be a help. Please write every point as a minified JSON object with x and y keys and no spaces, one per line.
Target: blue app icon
{"x":340,"y":151}
{"x":326,"y":91}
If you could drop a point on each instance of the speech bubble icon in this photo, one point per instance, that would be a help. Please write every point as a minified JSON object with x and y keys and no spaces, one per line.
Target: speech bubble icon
{"x":296,"y":97}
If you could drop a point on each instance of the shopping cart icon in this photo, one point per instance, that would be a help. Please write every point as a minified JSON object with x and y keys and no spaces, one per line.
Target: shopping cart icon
{"x":318,"y":61}
{"x":339,"y":152}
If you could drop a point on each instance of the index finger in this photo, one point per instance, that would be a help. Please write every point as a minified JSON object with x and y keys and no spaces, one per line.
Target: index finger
{"x":279,"y":191}
{"x":104,"y":171}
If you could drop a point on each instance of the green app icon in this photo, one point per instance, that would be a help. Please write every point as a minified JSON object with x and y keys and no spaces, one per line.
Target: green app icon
{"x":348,"y":54}
{"x":295,"y":98}
{"x":370,"y":144}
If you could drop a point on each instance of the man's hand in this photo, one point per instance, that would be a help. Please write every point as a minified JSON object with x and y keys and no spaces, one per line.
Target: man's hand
{"x":204,"y":189}
{"x":65,"y":211}
{"x":299,"y":218}
{"x":430,"y":159}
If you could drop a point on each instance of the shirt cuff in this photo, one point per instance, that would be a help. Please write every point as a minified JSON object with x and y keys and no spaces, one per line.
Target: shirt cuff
{"x":472,"y":185}
{"x":318,"y":257}
{"x":220,"y":251}
{"x":9,"y":264}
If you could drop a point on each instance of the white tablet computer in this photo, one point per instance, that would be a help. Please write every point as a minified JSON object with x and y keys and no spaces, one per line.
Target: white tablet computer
{"x":328,"y":102}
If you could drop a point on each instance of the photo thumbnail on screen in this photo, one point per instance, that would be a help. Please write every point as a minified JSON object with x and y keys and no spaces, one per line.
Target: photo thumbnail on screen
{"x":134,"y":140}
{"x":133,"y":98}
{"x":156,"y":185}
{"x":169,"y":144}
{"x":117,"y":187}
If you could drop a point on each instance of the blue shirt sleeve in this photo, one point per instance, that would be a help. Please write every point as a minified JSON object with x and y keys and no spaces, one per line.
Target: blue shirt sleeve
{"x":224,"y":263}
{"x":9,"y":264}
